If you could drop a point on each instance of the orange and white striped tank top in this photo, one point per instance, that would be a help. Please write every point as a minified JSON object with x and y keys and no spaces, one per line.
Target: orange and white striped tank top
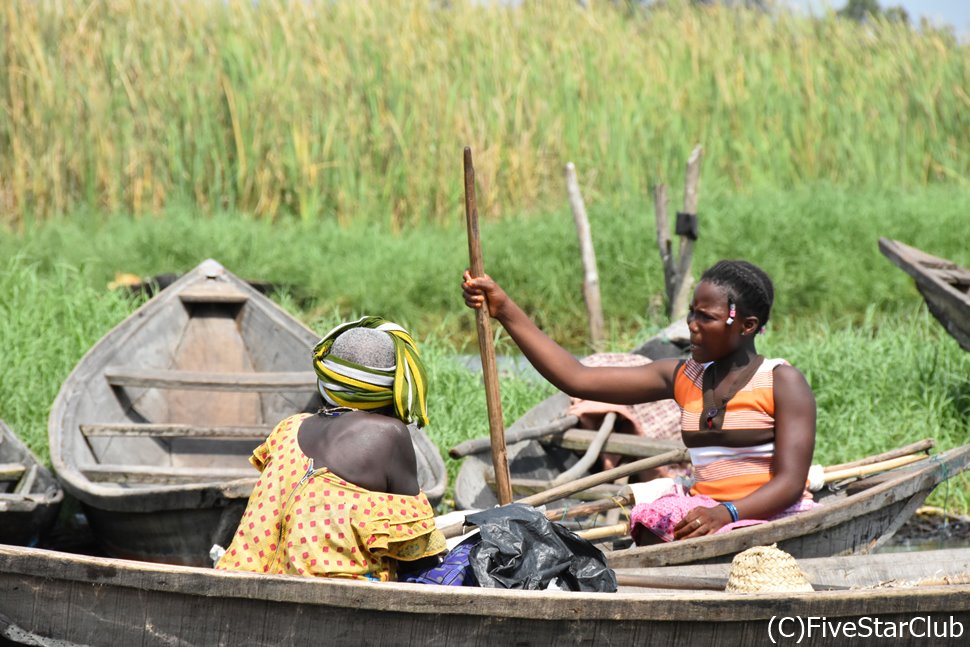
{"x":729,"y":473}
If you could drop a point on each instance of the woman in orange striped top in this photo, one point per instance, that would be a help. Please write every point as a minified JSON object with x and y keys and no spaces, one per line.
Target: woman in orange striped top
{"x":748,"y":422}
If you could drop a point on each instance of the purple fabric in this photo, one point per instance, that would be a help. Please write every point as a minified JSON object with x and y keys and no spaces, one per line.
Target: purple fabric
{"x":452,"y":570}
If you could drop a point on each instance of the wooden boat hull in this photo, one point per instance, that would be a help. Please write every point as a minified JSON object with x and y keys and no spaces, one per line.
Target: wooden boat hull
{"x":152,"y":430}
{"x":30,"y":500}
{"x":856,"y":520}
{"x":47,"y":596}
{"x":945,"y":286}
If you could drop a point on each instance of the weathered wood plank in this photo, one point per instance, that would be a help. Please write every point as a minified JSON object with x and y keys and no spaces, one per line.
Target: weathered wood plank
{"x":175,"y":379}
{"x":74,"y":598}
{"x":245,"y":432}
{"x":12,"y":471}
{"x":942,"y":283}
{"x":136,"y":474}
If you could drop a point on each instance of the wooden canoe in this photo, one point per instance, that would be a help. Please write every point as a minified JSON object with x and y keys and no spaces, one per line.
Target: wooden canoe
{"x":945,"y":286}
{"x":48,"y":597}
{"x":857,"y":518}
{"x":152,"y":430}
{"x":30,"y":496}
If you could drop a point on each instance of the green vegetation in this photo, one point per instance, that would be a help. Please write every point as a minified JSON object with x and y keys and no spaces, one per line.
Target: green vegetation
{"x":885,"y":373}
{"x":341,"y":112}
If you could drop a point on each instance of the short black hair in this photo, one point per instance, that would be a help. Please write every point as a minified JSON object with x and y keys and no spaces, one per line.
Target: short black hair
{"x":747,"y":285}
{"x":365,"y":346}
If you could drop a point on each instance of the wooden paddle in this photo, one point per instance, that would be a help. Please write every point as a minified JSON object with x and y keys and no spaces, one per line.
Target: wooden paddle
{"x":493,"y":400}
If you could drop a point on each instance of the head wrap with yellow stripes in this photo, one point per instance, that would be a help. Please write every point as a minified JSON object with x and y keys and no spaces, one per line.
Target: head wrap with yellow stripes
{"x":349,"y":384}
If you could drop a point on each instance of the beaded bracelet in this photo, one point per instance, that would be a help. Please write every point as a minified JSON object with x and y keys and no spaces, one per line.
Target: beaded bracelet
{"x":732,"y":510}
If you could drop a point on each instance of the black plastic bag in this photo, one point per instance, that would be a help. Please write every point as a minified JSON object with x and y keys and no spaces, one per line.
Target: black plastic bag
{"x":520,"y":549}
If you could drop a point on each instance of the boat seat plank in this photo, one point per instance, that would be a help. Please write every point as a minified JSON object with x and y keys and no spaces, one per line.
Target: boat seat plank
{"x":176,"y":379}
{"x":213,"y":296}
{"x":12,"y":471}
{"x":155,"y":475}
{"x":155,"y":430}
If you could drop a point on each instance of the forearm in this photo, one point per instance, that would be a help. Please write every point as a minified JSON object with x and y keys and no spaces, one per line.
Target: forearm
{"x":617,"y":384}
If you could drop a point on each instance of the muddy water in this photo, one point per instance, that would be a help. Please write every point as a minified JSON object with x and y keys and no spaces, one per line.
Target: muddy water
{"x":929,"y":532}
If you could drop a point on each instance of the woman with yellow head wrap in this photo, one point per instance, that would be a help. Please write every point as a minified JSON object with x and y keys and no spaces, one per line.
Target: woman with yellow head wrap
{"x":338,"y":494}
{"x":371,"y":364}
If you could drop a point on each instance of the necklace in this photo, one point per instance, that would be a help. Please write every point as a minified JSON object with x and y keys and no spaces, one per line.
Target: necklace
{"x":714,"y":414}
{"x":331,"y":412}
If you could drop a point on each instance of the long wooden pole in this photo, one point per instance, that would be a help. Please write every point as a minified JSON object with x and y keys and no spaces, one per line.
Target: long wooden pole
{"x":493,"y":400}
{"x":591,"y":277}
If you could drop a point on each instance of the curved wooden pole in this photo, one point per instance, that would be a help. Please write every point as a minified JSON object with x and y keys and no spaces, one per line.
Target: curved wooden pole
{"x":493,"y":400}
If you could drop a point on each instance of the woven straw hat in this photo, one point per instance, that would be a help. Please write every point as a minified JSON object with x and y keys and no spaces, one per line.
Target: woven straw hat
{"x":766,"y":569}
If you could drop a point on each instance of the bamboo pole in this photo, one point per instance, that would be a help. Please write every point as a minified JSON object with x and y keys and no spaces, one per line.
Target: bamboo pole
{"x":591,"y":279}
{"x":920,"y":446}
{"x":493,"y":399}
{"x":605,"y":532}
{"x":872,"y":468}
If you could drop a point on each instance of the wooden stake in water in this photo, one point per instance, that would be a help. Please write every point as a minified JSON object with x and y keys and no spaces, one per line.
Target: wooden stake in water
{"x":493,"y":400}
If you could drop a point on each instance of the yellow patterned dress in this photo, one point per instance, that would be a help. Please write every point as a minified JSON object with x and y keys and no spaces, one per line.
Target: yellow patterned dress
{"x":306,"y":521}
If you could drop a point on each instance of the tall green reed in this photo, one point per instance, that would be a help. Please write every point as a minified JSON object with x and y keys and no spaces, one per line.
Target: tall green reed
{"x":345,"y":111}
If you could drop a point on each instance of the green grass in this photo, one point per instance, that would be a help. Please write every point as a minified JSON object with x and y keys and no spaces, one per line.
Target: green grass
{"x":818,"y":242}
{"x":884,"y":372}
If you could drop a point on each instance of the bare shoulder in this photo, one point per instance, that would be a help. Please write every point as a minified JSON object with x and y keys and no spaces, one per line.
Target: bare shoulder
{"x":389,"y":430}
{"x":790,"y":382}
{"x":788,"y":375}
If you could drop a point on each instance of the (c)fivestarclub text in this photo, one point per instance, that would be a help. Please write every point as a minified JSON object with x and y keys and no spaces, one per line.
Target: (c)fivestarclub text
{"x":799,"y":628}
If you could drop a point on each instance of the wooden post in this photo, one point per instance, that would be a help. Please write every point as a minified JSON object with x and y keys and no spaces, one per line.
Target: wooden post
{"x":685,"y":281}
{"x":493,"y":400}
{"x":664,"y":242}
{"x":591,"y":279}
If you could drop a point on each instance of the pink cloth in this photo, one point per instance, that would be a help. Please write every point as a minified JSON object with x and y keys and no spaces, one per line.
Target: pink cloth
{"x":662,"y":515}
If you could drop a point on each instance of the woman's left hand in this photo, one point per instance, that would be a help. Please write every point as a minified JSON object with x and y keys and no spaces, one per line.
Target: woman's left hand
{"x":702,"y":521}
